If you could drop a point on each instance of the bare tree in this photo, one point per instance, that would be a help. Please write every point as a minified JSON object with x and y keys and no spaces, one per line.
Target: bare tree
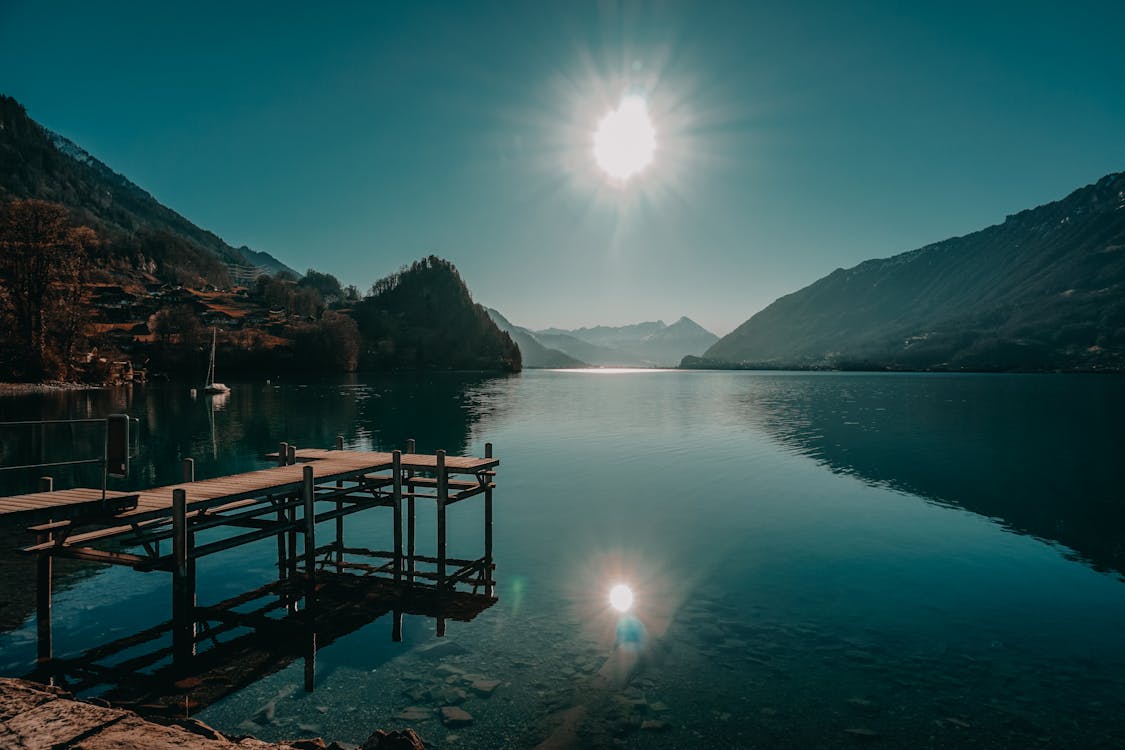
{"x":43,"y":263}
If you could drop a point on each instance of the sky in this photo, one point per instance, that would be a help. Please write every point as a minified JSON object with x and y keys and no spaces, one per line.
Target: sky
{"x":792,"y":138}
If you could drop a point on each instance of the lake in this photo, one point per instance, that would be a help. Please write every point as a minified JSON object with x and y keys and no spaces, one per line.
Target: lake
{"x":818,"y":559}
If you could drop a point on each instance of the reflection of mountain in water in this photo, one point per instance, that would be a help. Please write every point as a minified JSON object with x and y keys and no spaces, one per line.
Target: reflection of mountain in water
{"x":1006,"y":447}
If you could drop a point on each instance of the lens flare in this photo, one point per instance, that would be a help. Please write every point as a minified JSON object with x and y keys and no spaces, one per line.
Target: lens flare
{"x":625,"y":141}
{"x":621,"y":597}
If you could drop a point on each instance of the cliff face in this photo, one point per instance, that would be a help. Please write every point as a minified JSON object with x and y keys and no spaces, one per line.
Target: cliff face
{"x":1043,"y":290}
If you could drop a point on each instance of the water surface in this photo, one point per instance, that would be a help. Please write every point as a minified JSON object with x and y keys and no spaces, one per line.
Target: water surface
{"x":818,"y":559}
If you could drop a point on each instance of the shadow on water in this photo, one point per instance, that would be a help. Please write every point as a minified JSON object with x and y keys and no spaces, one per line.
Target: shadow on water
{"x":249,"y":637}
{"x":1007,"y":448}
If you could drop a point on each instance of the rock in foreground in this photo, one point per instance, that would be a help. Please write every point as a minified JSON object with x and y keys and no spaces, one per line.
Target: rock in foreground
{"x":34,"y":716}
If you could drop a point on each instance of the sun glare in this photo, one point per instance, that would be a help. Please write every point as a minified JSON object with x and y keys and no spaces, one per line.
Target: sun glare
{"x":621,"y":597}
{"x":625,"y":141}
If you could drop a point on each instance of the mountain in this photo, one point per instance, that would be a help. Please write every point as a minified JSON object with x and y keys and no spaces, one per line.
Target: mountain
{"x":598,"y":356}
{"x":533,"y":353}
{"x":135,"y":228}
{"x":670,"y":344}
{"x":423,"y":318}
{"x":613,"y":336}
{"x":1044,"y":290}
{"x":649,"y":344}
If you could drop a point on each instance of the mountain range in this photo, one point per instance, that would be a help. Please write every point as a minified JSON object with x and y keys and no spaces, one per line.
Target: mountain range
{"x":533,"y":352}
{"x":1043,"y":290}
{"x":134,"y":227}
{"x":649,"y":344}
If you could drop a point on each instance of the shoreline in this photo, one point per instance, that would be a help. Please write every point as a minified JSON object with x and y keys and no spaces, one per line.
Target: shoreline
{"x":50,"y":386}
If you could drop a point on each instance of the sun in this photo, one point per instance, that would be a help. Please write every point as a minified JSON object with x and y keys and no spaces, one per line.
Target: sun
{"x":625,"y":141}
{"x":621,"y":597}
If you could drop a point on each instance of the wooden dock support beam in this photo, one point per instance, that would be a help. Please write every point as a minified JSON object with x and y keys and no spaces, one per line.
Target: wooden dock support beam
{"x":291,"y":560}
{"x":488,"y":589}
{"x":189,"y":469}
{"x":410,"y":523}
{"x":442,"y":494}
{"x":43,"y":585}
{"x":183,"y":583}
{"x":308,"y":500}
{"x":396,"y":498}
{"x":339,"y":519}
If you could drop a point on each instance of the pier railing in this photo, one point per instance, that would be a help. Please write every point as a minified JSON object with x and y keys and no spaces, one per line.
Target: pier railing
{"x":117,"y":447}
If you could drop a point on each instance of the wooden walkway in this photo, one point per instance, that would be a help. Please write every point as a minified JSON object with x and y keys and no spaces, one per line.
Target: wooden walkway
{"x":287,"y":502}
{"x":329,"y":465}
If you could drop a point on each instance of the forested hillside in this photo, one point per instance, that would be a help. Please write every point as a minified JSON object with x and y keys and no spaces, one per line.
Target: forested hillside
{"x":1044,"y":290}
{"x":423,"y":317}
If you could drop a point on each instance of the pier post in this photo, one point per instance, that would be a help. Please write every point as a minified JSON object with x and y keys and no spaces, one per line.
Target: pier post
{"x":307,"y":498}
{"x":189,"y":469}
{"x":43,"y":574}
{"x":442,"y":494}
{"x":488,"y":588}
{"x":396,"y":479}
{"x":396,"y":626}
{"x":291,"y":563}
{"x":282,"y":457}
{"x":183,"y":589}
{"x":340,"y":518}
{"x":410,"y":519}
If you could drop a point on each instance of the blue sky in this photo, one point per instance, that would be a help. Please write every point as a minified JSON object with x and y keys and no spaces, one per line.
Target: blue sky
{"x":793,"y":138}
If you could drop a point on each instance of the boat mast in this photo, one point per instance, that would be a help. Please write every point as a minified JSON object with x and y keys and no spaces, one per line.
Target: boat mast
{"x":211,"y":365}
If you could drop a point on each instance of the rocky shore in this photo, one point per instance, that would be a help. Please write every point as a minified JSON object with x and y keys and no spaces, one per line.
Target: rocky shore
{"x":41,"y":717}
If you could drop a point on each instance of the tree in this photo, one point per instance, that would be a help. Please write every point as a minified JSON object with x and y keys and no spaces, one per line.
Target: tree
{"x":330,"y":344}
{"x":325,"y":283}
{"x":180,"y":321}
{"x":43,"y":263}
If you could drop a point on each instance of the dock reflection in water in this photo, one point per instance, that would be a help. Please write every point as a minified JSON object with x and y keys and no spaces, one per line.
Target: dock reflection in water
{"x":251,"y":636}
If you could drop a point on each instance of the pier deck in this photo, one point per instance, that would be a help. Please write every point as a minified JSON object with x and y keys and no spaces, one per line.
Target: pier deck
{"x":307,"y":488}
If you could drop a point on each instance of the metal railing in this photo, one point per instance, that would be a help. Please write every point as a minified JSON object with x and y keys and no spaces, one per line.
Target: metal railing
{"x":118,"y":445}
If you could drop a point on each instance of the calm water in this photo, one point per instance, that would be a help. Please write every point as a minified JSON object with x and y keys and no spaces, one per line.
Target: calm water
{"x":819,"y":560}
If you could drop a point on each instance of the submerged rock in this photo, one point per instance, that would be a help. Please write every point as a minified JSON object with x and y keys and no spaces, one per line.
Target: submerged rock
{"x":485,"y":687}
{"x":452,"y":716}
{"x":415,"y":713}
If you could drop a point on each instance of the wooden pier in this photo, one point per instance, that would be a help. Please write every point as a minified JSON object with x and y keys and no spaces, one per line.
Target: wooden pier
{"x":307,"y":487}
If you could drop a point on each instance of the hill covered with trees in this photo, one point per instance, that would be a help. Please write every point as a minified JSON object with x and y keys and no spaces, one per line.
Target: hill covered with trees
{"x":99,"y":282}
{"x":136,"y":231}
{"x":423,"y":317}
{"x":1044,"y":290}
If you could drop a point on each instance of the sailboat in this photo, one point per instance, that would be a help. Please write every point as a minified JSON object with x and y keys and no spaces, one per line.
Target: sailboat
{"x":211,"y":386}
